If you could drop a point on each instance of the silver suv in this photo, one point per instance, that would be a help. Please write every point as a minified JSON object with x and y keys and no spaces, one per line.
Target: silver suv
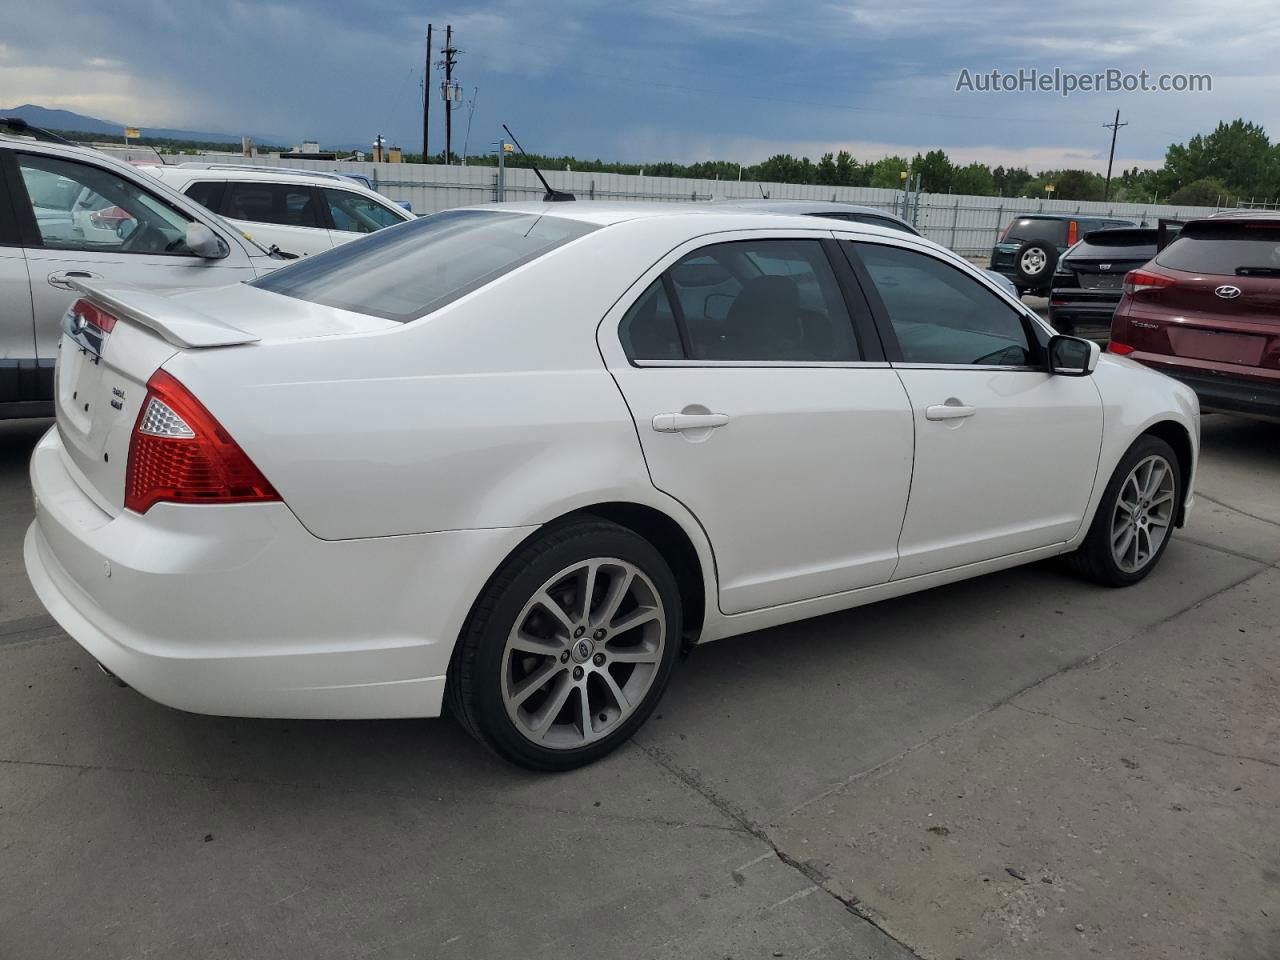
{"x":69,"y":212}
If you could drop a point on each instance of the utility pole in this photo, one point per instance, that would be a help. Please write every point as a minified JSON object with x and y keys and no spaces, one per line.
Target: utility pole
{"x":447,"y":92}
{"x":426,"y":101}
{"x":1114,"y":127}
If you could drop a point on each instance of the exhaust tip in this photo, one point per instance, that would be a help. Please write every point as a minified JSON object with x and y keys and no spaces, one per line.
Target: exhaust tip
{"x":110,"y":676}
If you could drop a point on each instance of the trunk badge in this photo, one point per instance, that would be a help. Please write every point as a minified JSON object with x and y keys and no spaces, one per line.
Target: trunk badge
{"x":1227,"y":291}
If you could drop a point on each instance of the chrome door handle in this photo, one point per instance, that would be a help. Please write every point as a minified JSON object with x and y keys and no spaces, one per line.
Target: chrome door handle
{"x":62,"y":279}
{"x":948,"y":411}
{"x":676,"y":422}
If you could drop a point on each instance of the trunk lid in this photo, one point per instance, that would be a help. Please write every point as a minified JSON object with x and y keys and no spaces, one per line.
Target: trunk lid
{"x":100,"y":381}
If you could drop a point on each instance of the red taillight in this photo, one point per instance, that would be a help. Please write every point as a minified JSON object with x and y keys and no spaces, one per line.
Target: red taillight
{"x":1073,"y":232}
{"x":1136,"y":281}
{"x":1120,"y":348}
{"x":180,"y":453}
{"x":93,"y":316}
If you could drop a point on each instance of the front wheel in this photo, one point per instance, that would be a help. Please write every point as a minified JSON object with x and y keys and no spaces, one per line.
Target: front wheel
{"x":1135,"y":519}
{"x":569,"y":647}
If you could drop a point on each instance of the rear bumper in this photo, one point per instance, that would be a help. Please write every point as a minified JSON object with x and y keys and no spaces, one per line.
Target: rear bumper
{"x":1222,"y":390}
{"x":1082,"y":312}
{"x":238,"y":611}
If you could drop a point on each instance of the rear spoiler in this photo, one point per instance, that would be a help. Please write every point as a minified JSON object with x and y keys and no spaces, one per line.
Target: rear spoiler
{"x":179,"y":324}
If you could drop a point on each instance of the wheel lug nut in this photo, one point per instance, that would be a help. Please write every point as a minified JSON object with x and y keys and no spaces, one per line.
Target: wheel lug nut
{"x":564,"y":656}
{"x":579,"y":631}
{"x":598,"y":659}
{"x":577,"y":673}
{"x":599,"y":634}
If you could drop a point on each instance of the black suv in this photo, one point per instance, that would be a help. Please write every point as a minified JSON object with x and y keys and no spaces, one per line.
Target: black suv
{"x":1029,"y":248}
{"x":1089,"y":279}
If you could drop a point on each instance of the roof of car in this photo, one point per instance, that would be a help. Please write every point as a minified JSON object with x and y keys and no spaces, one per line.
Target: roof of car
{"x":606,"y":212}
{"x":809,"y":207}
{"x":230,"y":172}
{"x":1267,"y":216}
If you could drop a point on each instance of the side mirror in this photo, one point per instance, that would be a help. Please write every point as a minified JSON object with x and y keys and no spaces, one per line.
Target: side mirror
{"x":1073,"y":356}
{"x":203,"y":242}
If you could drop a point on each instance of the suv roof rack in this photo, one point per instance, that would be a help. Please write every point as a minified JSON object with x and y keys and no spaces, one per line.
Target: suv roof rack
{"x":263,"y":168}
{"x":21,"y":127}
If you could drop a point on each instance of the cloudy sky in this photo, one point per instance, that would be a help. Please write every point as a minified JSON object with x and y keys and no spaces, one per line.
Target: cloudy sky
{"x":667,"y":79}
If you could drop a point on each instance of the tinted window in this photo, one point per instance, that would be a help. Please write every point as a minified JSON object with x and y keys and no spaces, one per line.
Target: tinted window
{"x":406,"y":272}
{"x":357,"y":214}
{"x":82,"y":207}
{"x":1116,"y":244}
{"x":767,"y":300}
{"x":207,"y":193}
{"x":1227,"y":249}
{"x":942,"y":315}
{"x":1031,"y":228}
{"x":649,"y":330}
{"x":291,"y":205}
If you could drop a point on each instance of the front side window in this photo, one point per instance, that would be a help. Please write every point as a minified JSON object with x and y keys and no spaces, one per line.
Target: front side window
{"x":78,"y":206}
{"x":357,"y":214}
{"x":285,"y":204}
{"x":423,"y":264}
{"x":751,"y":300}
{"x":941,"y":315}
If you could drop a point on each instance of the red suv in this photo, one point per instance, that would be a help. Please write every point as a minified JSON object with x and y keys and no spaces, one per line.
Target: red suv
{"x":1206,"y":311}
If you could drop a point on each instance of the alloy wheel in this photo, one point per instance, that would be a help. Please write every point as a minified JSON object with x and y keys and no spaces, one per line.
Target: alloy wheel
{"x":1143,"y":514}
{"x":583,"y":653}
{"x":1033,"y":261}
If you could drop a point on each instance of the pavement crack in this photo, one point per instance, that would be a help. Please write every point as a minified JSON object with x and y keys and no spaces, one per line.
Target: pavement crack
{"x":1243,"y":513}
{"x":1183,"y":538}
{"x":408,"y":794}
{"x":1138,"y":735}
{"x":1076,"y":664}
{"x":746,"y":824}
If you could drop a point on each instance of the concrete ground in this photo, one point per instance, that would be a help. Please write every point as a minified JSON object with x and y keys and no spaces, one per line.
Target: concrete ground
{"x":1019,"y":766}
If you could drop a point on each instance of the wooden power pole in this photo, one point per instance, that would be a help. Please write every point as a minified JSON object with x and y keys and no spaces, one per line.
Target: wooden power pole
{"x":426,"y":102}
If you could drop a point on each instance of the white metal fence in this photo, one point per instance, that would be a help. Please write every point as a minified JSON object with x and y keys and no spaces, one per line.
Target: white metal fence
{"x":967,"y":224}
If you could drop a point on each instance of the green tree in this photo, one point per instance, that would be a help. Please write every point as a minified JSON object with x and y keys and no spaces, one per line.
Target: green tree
{"x":826,"y":172}
{"x":888,"y":172}
{"x":935,"y":169}
{"x":1011,"y":182}
{"x":1239,"y":154}
{"x":976,"y":179}
{"x":1205,"y":192}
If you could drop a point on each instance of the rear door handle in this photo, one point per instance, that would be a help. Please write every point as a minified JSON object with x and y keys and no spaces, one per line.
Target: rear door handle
{"x":948,"y":411}
{"x":62,"y":280}
{"x":677,"y":422}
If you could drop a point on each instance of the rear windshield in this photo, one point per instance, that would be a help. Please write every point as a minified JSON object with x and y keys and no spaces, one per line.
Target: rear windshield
{"x":407,"y":271}
{"x":1226,"y":249}
{"x":1121,"y":244}
{"x":1036,"y":229}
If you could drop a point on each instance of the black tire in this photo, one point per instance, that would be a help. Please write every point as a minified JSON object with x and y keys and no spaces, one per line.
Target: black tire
{"x":1093,"y":559}
{"x":1040,"y":279}
{"x":474,"y":690}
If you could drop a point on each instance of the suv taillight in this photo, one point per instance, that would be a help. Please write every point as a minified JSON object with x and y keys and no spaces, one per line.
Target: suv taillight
{"x":181,"y":454}
{"x":1073,"y":232}
{"x":1137,"y":281}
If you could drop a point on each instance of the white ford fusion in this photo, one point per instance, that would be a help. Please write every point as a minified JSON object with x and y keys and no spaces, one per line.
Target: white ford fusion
{"x":514,"y":457}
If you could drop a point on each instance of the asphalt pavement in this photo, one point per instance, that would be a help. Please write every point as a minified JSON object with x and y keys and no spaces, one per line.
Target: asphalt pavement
{"x":1021,"y":765}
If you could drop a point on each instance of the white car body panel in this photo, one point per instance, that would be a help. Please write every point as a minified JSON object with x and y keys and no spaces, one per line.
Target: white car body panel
{"x":300,"y":241}
{"x":413,"y":458}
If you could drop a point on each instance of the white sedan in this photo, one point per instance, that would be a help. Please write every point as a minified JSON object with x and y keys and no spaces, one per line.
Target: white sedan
{"x":513,"y":458}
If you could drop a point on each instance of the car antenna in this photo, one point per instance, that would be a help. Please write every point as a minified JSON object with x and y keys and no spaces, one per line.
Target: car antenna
{"x":763,"y":195}
{"x":552,"y":194}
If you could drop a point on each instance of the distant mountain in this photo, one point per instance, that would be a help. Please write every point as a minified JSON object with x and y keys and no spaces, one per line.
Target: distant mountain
{"x":67,"y":120}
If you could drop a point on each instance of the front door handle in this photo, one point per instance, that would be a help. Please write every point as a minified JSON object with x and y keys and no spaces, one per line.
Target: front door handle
{"x":677,"y":422}
{"x":62,"y":280}
{"x":948,"y":411}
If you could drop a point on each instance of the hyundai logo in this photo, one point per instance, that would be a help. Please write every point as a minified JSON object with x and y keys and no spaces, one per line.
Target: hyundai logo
{"x":1227,"y":291}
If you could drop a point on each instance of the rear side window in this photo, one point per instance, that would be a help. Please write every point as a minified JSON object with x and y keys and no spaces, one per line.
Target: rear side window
{"x":409,"y":270}
{"x":772,"y":301}
{"x":207,"y":193}
{"x":286,"y":204}
{"x":1226,"y":249}
{"x":1031,"y":228}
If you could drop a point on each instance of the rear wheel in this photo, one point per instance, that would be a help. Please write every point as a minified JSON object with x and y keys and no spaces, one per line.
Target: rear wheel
{"x":1034,"y":263}
{"x":569,"y":648}
{"x":1135,"y":519}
